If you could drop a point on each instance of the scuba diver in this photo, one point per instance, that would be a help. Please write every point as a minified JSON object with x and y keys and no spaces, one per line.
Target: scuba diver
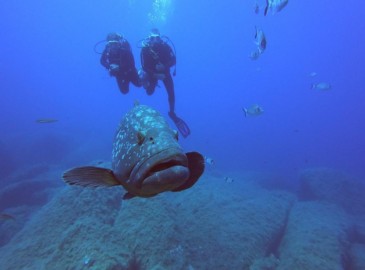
{"x":157,"y":57}
{"x":118,"y":59}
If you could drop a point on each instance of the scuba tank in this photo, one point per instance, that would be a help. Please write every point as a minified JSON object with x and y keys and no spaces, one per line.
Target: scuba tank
{"x":143,"y":43}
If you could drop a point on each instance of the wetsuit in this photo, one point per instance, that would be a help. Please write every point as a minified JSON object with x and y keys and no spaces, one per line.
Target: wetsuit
{"x":157,"y":58}
{"x":117,"y":57}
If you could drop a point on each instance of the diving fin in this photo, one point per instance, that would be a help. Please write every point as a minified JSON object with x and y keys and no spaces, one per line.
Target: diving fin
{"x":90,"y":176}
{"x":196,"y":167}
{"x":181,"y":125}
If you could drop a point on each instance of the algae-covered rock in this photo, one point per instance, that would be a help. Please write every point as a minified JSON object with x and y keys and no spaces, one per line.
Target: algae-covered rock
{"x":27,"y":193}
{"x":265,"y":263}
{"x":333,"y":186}
{"x":214,"y":225}
{"x":7,"y":161}
{"x":316,"y":238}
{"x":237,"y":230}
{"x":357,"y":257}
{"x":63,"y":232}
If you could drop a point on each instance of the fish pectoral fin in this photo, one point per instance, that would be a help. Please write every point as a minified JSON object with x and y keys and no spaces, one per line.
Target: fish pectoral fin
{"x":196,"y":167}
{"x":90,"y":176}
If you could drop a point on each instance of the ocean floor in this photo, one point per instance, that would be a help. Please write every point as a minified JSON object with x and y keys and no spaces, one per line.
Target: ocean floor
{"x":244,"y":223}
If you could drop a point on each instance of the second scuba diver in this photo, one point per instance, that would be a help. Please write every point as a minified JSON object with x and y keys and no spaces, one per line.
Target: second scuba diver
{"x":118,"y":59}
{"x":157,"y":57}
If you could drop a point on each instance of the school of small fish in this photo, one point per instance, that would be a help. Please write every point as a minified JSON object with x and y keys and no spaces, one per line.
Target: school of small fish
{"x":273,"y":7}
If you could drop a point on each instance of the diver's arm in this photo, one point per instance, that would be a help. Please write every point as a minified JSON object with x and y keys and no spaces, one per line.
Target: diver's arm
{"x":172,"y":57}
{"x":168,"y":56}
{"x":104,"y":60}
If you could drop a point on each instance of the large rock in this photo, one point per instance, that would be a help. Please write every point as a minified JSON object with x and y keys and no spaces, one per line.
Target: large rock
{"x":27,"y":193}
{"x":214,"y":225}
{"x":333,"y":186}
{"x":7,"y":162}
{"x":357,"y":256}
{"x":24,"y":193}
{"x":316,"y":238}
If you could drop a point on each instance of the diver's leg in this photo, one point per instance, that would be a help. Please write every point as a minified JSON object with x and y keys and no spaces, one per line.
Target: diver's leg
{"x":134,"y":78}
{"x":180,"y":124}
{"x":169,"y":85}
{"x":123,"y":84}
{"x":150,"y":88}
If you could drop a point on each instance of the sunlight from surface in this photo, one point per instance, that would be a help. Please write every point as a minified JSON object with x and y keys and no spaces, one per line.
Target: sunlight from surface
{"x":161,"y":10}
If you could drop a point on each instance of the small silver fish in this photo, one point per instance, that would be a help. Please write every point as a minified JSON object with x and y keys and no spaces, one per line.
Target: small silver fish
{"x":256,"y":8}
{"x":228,"y":179}
{"x":254,"y":110}
{"x":275,"y":6}
{"x":260,"y":40}
{"x":46,"y":120}
{"x":313,"y":74}
{"x":321,"y":86}
{"x":209,"y":160}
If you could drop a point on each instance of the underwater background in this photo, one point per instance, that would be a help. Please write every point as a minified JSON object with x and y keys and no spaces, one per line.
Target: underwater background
{"x":286,"y":187}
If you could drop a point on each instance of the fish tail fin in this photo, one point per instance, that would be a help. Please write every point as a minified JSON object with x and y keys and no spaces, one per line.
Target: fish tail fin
{"x":245,"y":111}
{"x":313,"y":86}
{"x":90,"y":176}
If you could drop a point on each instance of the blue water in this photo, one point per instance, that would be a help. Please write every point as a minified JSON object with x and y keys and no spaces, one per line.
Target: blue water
{"x":50,"y":70}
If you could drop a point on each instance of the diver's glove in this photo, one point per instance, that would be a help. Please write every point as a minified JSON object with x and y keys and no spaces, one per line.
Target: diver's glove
{"x":113,"y":69}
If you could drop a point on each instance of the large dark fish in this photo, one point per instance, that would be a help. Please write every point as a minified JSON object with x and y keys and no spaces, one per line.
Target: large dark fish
{"x":146,"y":159}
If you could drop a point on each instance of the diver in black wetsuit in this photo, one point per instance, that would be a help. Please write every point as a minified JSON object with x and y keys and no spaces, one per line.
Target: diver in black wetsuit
{"x":117,"y":57}
{"x":157,"y":58}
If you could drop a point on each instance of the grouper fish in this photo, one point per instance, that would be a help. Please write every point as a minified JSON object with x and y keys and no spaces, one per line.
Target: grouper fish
{"x":146,"y":159}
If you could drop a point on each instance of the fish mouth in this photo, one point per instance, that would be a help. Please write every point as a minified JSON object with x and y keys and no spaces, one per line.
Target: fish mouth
{"x":163,"y":171}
